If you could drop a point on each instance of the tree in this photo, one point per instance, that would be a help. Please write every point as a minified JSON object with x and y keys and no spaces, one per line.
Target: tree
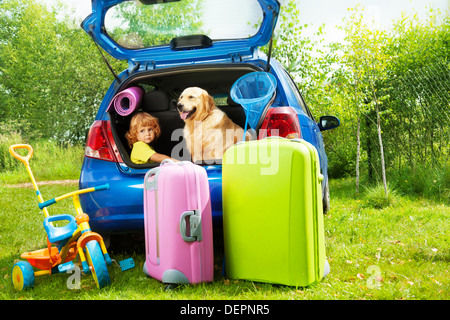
{"x":366,"y":57}
{"x":320,"y":78}
{"x":149,"y":25}
{"x":51,"y":81}
{"x":419,"y":90}
{"x":350,"y":59}
{"x":299,"y":54}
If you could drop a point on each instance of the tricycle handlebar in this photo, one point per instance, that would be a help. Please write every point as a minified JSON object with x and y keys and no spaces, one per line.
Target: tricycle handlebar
{"x":71,"y":194}
{"x":24,"y":159}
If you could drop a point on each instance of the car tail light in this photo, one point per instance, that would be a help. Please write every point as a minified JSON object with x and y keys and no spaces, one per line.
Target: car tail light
{"x":100,"y":142}
{"x":282,"y":122}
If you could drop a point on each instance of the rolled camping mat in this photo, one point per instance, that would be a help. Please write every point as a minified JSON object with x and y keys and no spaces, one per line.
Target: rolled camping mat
{"x":126,"y":101}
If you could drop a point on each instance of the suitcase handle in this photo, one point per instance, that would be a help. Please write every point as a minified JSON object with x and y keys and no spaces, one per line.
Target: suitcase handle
{"x":151,"y":179}
{"x":167,"y":161}
{"x":171,"y":162}
{"x":191,"y":220}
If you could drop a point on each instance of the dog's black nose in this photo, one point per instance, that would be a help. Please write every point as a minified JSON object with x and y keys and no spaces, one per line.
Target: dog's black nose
{"x":179,"y":106}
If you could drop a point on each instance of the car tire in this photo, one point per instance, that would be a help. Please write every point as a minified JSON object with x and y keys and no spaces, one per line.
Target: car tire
{"x":326,"y":199}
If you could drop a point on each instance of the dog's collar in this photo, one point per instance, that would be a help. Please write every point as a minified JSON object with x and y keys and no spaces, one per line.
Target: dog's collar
{"x":206,"y":116}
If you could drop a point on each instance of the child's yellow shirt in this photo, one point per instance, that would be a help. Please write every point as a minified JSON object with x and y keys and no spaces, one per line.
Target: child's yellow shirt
{"x":141,"y":153}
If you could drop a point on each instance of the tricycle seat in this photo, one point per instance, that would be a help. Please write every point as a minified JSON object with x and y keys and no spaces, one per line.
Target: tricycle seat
{"x":60,"y":235}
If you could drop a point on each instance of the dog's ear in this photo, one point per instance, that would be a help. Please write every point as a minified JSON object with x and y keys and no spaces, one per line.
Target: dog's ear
{"x":209,"y":103}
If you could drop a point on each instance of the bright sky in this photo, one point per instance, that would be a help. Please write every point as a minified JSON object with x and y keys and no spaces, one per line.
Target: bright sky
{"x":383,"y":12}
{"x":331,"y":12}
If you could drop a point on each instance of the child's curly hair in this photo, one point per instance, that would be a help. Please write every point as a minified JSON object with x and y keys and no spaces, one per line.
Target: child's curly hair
{"x":142,"y":119}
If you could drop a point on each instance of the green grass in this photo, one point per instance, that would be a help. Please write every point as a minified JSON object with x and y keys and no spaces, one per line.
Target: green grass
{"x":408,"y":241}
{"x":398,"y":252}
{"x":48,"y":162}
{"x":376,"y":197}
{"x":377,"y":249}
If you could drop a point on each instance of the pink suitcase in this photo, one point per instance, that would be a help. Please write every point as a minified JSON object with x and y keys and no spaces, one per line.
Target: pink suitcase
{"x":178,"y":224}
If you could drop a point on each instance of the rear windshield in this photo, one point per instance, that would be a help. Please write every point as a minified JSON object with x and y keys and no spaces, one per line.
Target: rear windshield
{"x":134,"y":25}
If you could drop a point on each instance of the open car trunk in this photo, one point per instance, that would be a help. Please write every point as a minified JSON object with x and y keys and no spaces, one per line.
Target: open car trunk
{"x":162,"y":89}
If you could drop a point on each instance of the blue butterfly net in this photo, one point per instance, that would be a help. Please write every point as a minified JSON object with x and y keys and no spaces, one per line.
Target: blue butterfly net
{"x":253,"y":91}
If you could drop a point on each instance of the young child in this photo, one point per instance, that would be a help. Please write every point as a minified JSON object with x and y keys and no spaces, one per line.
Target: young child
{"x":144,"y":129}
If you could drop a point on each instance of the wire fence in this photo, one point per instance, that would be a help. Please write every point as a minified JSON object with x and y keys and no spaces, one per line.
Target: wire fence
{"x":422,"y":105}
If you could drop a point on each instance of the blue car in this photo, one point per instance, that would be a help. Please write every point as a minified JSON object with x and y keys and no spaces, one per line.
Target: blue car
{"x":171,"y":45}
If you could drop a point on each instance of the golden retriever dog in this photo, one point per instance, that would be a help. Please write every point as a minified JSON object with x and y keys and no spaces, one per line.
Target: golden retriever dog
{"x":208,"y":130}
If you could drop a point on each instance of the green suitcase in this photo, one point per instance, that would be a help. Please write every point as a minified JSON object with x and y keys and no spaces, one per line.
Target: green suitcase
{"x":272,"y":212}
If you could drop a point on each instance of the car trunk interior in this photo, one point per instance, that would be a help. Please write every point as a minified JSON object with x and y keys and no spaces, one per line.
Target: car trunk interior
{"x":162,"y":89}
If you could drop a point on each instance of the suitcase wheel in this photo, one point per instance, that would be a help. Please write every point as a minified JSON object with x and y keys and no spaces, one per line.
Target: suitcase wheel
{"x":171,"y":286}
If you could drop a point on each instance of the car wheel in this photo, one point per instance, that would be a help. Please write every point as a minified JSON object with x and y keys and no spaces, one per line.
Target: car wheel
{"x":326,"y":199}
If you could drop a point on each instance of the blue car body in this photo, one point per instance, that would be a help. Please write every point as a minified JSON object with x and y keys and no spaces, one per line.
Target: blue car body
{"x":120,"y":210}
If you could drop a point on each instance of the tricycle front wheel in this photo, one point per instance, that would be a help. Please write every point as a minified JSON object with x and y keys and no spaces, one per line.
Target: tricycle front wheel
{"x":22,"y":275}
{"x":97,"y":264}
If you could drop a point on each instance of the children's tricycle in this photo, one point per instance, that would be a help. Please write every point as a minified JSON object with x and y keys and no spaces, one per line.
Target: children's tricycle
{"x":67,"y":239}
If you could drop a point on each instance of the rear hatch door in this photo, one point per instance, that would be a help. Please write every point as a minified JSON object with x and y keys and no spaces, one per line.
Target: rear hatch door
{"x":168,"y":32}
